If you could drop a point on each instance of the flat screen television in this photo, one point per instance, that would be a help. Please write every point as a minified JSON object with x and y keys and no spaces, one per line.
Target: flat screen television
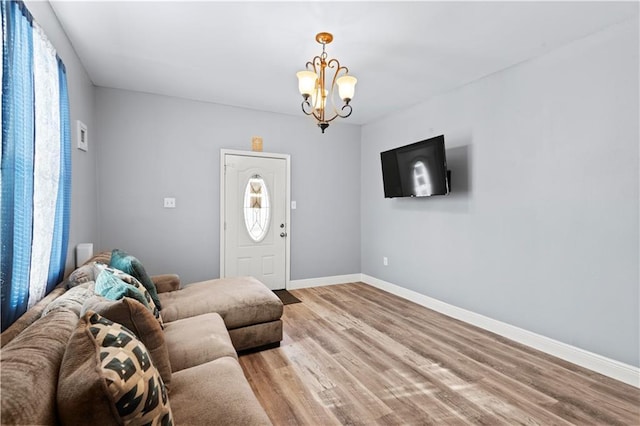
{"x":416,"y":170}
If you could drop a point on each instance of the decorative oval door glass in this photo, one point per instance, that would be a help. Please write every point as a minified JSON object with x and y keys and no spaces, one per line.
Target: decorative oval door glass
{"x":257,"y":208}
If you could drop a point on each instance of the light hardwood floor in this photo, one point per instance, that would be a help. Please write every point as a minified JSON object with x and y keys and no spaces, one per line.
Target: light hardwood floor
{"x":353,"y":354}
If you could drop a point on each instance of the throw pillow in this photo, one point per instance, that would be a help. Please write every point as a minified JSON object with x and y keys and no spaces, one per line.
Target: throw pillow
{"x":126,"y":263}
{"x":113,"y":288}
{"x":107,"y":377}
{"x":115,"y":284}
{"x":136,"y":317}
{"x":102,"y":257}
{"x":83,"y":274}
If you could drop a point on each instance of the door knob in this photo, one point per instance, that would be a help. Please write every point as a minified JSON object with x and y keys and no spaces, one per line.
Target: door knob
{"x":283,"y":234}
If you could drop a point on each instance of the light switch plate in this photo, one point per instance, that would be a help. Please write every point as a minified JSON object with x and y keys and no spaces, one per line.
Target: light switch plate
{"x":83,"y":137}
{"x":169,"y":203}
{"x":293,"y":205}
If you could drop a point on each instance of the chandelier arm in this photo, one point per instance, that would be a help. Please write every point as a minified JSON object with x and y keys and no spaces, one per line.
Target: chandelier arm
{"x":334,"y":63}
{"x":311,"y":110}
{"x":314,"y":63}
{"x":322,"y":83}
{"x":306,"y":103}
{"x":337,"y":114}
{"x":349,"y":109}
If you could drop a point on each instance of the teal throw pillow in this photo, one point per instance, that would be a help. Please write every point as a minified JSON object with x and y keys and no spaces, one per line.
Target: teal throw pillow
{"x":113,"y":288}
{"x":126,"y":263}
{"x":133,"y":282}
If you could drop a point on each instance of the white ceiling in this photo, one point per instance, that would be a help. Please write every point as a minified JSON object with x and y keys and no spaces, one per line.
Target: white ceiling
{"x":246,"y":54}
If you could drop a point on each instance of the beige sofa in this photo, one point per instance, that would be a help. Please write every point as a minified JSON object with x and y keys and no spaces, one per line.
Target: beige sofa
{"x":205,"y":324}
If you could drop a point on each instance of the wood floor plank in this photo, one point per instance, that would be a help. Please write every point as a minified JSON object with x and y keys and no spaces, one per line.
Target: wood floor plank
{"x":544,"y":371}
{"x":354,"y":354}
{"x":523,"y":398}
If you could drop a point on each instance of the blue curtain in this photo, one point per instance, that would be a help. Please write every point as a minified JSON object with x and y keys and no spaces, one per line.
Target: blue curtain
{"x":27,"y":228}
{"x":63,"y":207}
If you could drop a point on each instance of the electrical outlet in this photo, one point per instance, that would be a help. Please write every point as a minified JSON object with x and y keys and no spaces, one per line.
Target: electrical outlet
{"x":385,"y":261}
{"x":169,"y":203}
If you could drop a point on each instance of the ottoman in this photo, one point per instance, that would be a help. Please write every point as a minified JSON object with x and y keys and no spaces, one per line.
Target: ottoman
{"x":250,"y":311}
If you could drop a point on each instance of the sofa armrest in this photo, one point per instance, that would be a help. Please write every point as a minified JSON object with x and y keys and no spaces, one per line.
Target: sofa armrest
{"x":166,"y":282}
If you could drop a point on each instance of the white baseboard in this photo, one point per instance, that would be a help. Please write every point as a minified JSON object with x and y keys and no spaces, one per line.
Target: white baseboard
{"x":598,"y":363}
{"x":318,"y":282}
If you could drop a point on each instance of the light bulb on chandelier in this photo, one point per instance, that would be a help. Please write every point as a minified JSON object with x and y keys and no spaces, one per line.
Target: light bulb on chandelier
{"x":313,"y":88}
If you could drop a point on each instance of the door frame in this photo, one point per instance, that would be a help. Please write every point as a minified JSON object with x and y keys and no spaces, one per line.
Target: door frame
{"x":287,"y":195}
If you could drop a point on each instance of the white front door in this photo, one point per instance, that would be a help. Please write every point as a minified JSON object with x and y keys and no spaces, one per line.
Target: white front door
{"x":254,"y":217}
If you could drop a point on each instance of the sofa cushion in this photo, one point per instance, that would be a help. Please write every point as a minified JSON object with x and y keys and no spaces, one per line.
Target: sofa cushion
{"x":166,"y":282}
{"x":115,"y":284}
{"x":196,"y":340}
{"x":30,"y":365}
{"x":30,"y":316}
{"x":215,"y":393}
{"x":240,"y":301}
{"x":72,"y":299}
{"x":133,"y":315}
{"x":126,"y":263}
{"x":107,"y":377}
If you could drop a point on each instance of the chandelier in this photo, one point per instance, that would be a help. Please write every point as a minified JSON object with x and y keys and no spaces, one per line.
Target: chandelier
{"x":313,"y":86}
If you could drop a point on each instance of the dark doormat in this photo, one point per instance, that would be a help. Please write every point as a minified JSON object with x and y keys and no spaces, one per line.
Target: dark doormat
{"x":286,"y":297}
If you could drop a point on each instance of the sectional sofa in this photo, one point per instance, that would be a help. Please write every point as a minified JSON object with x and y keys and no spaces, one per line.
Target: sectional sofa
{"x":66,"y":360}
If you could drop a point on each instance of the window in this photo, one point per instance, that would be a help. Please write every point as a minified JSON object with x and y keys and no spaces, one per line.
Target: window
{"x":257,"y":208}
{"x":35,"y":189}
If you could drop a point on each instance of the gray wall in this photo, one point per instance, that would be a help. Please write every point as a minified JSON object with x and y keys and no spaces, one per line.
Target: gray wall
{"x":541,"y":228}
{"x":153,"y":146}
{"x":84,"y":198}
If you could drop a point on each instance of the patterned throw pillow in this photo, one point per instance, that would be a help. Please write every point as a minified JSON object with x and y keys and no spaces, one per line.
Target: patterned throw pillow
{"x":114,"y":285}
{"x":82,"y":275}
{"x":128,"y":264}
{"x":136,"y":317}
{"x":107,"y":377}
{"x":113,"y":288}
